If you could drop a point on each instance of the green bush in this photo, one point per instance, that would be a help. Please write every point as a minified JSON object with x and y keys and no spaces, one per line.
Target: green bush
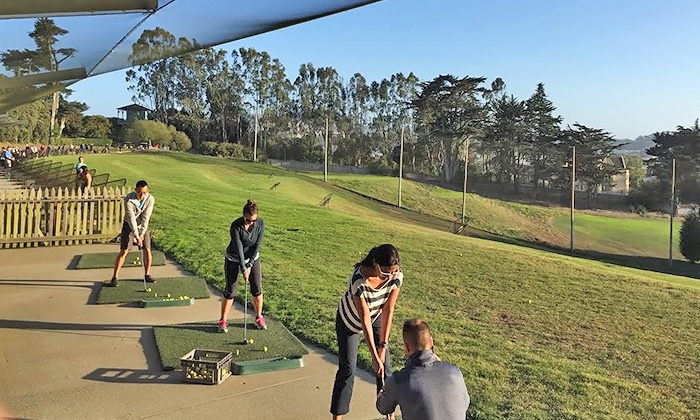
{"x":689,"y":243}
{"x":154,"y":132}
{"x":181,"y":142}
{"x":228,"y":150}
{"x":648,"y":196}
{"x":208,"y":148}
{"x":383,"y":167}
{"x":143,"y":131}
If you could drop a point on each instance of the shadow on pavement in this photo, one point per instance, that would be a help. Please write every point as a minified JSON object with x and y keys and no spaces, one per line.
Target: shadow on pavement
{"x":74,"y":262}
{"x":148,"y":343}
{"x":44,"y":325}
{"x":44,"y":283}
{"x":134,"y":376}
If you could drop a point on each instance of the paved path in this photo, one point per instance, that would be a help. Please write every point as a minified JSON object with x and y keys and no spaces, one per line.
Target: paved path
{"x":62,"y":357}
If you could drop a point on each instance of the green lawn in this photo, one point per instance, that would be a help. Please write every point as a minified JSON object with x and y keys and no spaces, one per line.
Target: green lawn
{"x":537,"y":335}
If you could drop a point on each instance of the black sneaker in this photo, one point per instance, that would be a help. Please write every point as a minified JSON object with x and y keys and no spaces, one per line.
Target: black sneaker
{"x":149,"y":279}
{"x":113,"y":283}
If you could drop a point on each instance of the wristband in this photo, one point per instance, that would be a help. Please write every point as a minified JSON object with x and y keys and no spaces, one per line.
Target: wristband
{"x":382,"y":345}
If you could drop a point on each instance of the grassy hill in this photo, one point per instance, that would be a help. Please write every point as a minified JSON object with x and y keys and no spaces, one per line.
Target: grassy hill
{"x":626,"y":236}
{"x":537,"y":335}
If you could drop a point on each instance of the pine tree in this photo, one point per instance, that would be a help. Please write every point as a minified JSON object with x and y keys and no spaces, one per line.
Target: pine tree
{"x":544,"y":130}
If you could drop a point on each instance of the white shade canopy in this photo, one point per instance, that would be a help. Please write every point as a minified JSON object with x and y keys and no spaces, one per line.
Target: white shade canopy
{"x":101,"y":34}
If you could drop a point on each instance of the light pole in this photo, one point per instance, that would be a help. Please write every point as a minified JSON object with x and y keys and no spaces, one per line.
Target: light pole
{"x":255,"y":143}
{"x":464,"y":188}
{"x":325,"y":155}
{"x":401,"y":164}
{"x":673,"y":208}
{"x":573,"y":197}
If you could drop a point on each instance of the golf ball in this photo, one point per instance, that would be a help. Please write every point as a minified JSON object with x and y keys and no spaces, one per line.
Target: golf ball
{"x":148,"y":290}
{"x":168,"y":294}
{"x":265,"y":348}
{"x":250,"y":341}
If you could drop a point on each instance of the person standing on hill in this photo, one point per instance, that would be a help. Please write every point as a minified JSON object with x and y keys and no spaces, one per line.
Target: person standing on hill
{"x":243,"y":257}
{"x":139,"y":206}
{"x":366,"y":308}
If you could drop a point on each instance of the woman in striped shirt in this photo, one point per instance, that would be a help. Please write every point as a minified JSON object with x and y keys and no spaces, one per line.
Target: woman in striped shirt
{"x":367,"y":307}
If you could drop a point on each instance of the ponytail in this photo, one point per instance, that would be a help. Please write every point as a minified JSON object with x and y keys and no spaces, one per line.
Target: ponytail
{"x":250,"y":207}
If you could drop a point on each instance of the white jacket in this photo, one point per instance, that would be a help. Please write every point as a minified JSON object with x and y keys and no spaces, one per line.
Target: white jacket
{"x":138,"y":214}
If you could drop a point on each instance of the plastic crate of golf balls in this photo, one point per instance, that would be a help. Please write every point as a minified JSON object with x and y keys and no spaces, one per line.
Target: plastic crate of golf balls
{"x":206,"y":366}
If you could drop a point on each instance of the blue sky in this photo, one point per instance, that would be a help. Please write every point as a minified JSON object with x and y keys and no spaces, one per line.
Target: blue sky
{"x":629,"y":67}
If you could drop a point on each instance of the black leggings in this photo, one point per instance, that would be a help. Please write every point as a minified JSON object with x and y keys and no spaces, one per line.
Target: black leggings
{"x":232,"y":270}
{"x":348,"y":342}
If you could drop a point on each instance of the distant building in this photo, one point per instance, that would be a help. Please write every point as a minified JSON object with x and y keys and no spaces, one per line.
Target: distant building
{"x":130,"y":113}
{"x":620,"y":182}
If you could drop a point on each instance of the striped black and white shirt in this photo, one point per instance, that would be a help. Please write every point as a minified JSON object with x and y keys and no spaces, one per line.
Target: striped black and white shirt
{"x":375,"y":299}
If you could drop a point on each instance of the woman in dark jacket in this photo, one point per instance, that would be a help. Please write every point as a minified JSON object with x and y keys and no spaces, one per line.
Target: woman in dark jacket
{"x":243,"y":256}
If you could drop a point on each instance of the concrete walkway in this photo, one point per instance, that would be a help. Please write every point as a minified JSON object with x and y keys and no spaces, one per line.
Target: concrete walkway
{"x":62,"y":357}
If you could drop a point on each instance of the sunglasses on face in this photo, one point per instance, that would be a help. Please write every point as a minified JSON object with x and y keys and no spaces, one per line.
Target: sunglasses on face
{"x":386,"y":274}
{"x":250,"y":221}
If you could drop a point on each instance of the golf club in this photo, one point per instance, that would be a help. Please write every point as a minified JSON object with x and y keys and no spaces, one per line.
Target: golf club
{"x":245,"y":313}
{"x":143,"y":263}
{"x":387,"y":416}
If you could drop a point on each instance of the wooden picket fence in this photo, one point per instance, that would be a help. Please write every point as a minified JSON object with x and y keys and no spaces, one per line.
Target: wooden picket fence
{"x":59,"y":216}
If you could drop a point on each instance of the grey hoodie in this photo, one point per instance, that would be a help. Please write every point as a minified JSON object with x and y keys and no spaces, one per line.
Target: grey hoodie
{"x":425,"y":390}
{"x":138,"y":213}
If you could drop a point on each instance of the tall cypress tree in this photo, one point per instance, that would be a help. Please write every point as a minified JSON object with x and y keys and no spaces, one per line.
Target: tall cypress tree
{"x":543,"y":131}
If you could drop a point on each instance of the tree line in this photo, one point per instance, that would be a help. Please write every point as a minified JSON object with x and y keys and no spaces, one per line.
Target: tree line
{"x":221,"y":96}
{"x":246,"y":97}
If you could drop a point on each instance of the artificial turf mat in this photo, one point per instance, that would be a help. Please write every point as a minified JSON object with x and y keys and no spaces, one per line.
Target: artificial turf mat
{"x":175,"y":341}
{"x":106,"y":259}
{"x":132,"y":290}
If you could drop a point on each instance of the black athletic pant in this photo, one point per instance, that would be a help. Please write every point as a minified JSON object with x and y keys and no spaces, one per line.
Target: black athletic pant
{"x":232,"y":270}
{"x":348,"y":343}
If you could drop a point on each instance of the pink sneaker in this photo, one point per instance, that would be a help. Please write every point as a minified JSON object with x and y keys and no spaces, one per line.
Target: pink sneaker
{"x":223,"y":326}
{"x":260,"y":322}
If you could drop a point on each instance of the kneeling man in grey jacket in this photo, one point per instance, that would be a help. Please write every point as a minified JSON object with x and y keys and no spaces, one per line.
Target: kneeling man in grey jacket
{"x":426,"y":388}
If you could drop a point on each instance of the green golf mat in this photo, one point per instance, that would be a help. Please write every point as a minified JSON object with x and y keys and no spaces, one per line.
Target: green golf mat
{"x":284,"y":350}
{"x":106,"y":259}
{"x":132,"y":290}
